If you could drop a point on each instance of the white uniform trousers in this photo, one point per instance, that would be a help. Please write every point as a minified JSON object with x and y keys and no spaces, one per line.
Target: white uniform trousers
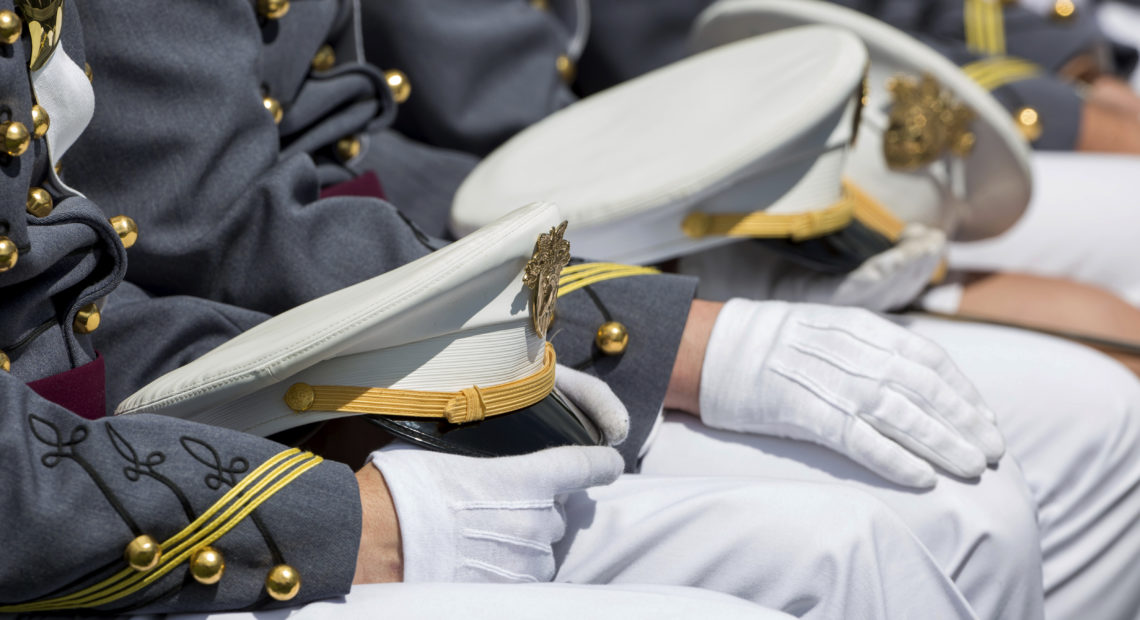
{"x":479,"y":601}
{"x":1081,"y":225}
{"x":812,"y":550}
{"x":1066,"y":495}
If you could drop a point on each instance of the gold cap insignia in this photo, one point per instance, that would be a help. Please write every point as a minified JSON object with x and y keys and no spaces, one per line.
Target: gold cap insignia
{"x":925,"y":122}
{"x":551,"y":254}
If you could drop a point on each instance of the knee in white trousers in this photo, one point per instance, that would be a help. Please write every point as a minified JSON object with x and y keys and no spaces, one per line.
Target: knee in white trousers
{"x":810,"y":550}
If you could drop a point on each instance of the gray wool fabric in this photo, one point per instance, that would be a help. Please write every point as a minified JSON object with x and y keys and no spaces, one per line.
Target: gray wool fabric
{"x":77,"y":491}
{"x":236,"y":216}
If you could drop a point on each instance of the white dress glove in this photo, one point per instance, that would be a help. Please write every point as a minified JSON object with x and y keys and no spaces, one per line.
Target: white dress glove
{"x":886,"y":281}
{"x":595,"y":398}
{"x":486,"y":519}
{"x":849,"y":380}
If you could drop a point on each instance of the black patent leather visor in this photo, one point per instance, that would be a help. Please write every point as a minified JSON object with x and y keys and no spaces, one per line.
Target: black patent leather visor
{"x":839,"y":252}
{"x":551,"y":422}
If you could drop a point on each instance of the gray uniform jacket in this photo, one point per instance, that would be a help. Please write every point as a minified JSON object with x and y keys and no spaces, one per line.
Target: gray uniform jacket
{"x":77,"y":491}
{"x":228,"y":202}
{"x":630,"y":37}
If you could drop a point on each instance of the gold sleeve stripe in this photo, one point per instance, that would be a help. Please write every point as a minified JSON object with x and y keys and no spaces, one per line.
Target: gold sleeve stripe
{"x":593,"y":273}
{"x":985,"y":27}
{"x":993,"y":73}
{"x":242,"y":499}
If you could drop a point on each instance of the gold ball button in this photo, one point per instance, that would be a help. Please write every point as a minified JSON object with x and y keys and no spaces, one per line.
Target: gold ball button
{"x":612,"y":338}
{"x":8,"y":254}
{"x":1029,"y":123}
{"x":207,"y":566}
{"x":126,"y":228}
{"x":542,"y":5}
{"x":40,"y":121}
{"x":273,"y":9}
{"x":39,"y":202}
{"x":10,"y":27}
{"x":399,"y":85}
{"x":88,"y":73}
{"x":299,"y":397}
{"x":347,"y":148}
{"x":87,"y":320}
{"x":324,"y":59}
{"x":283,"y":582}
{"x":1064,"y":9}
{"x":16,"y":138}
{"x":274,"y":107}
{"x":5,"y":362}
{"x":143,"y":553}
{"x":566,"y":69}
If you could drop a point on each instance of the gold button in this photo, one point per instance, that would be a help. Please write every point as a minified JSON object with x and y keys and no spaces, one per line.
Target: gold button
{"x":347,"y":148}
{"x":274,"y":107}
{"x":1064,"y":9}
{"x":10,"y":27}
{"x":16,"y":138}
{"x":8,"y":254}
{"x":39,"y":202}
{"x":88,"y":73}
{"x":299,"y":397}
{"x":207,"y":566}
{"x":399,"y":85}
{"x":283,"y":582}
{"x":126,"y":228}
{"x":87,"y":320}
{"x":612,"y":338}
{"x":541,"y":5}
{"x":273,"y":9}
{"x":59,"y":167}
{"x":5,"y":363}
{"x":325,"y":59}
{"x":40,"y":121}
{"x":1029,"y":122}
{"x":566,"y":69}
{"x":143,"y":553}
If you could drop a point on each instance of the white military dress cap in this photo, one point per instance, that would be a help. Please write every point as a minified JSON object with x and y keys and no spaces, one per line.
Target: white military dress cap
{"x":934,"y":147}
{"x":747,"y":140}
{"x":448,"y":352}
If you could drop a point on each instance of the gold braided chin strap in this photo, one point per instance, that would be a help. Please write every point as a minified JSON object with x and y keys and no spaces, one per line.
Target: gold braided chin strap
{"x":467,"y":405}
{"x":855,"y":204}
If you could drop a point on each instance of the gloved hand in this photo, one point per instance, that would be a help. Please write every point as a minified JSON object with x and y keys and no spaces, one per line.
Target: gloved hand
{"x":595,"y":398}
{"x":886,"y":281}
{"x":486,"y":519}
{"x":849,"y":380}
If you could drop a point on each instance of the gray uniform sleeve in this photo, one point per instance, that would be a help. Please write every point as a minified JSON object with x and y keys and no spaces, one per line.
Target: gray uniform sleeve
{"x":77,"y":492}
{"x":654,"y":309}
{"x":227,"y":202}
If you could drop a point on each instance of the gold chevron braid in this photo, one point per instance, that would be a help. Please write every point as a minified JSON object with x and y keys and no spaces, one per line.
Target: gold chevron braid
{"x":984,"y":23}
{"x":873,"y":214}
{"x":467,"y":405}
{"x":128,"y":581}
{"x":993,"y":73}
{"x":593,"y":273}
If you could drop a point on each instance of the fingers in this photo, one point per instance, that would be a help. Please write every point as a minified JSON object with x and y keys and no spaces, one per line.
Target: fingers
{"x":595,"y":398}
{"x":571,"y":468}
{"x":910,"y":426}
{"x":929,"y":392}
{"x":871,"y":449}
{"x":926,"y":352}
